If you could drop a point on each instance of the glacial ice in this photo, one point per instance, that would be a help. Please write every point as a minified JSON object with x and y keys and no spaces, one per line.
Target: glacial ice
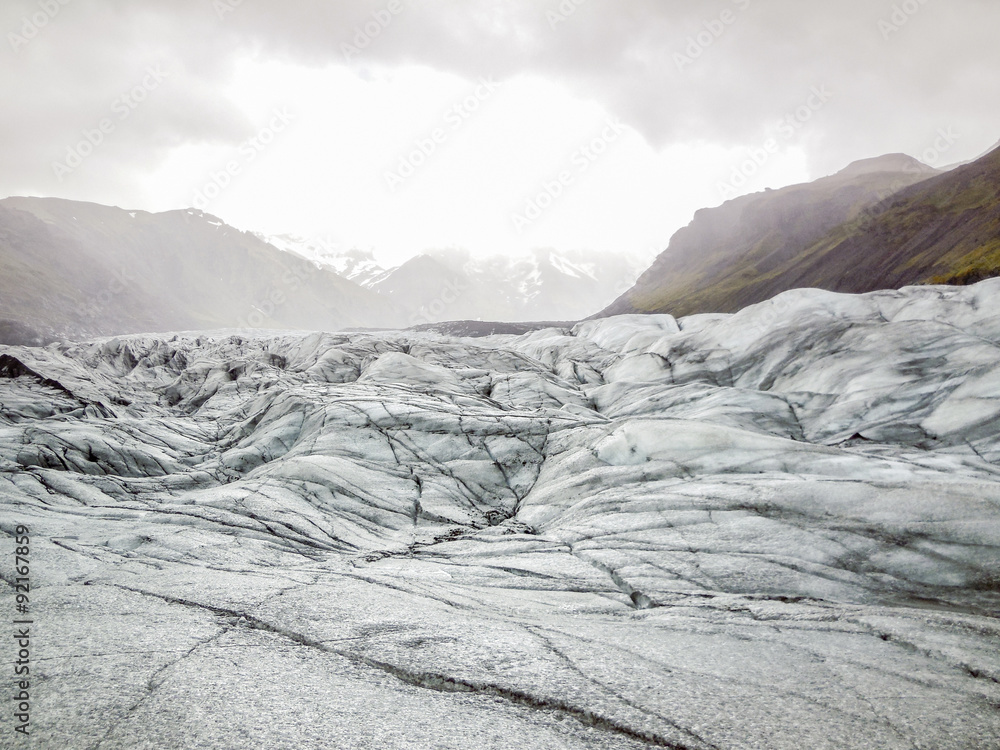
{"x":774,"y":529}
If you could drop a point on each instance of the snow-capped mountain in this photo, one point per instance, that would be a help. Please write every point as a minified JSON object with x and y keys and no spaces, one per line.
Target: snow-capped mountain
{"x":451,"y":284}
{"x":545,"y":285}
{"x":353,"y":264}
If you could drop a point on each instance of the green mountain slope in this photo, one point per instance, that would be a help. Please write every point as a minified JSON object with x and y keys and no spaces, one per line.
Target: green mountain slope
{"x":880,"y":223}
{"x":943,"y":231}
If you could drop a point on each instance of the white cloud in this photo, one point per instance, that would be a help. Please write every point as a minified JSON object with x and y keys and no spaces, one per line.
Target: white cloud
{"x":685,"y":129}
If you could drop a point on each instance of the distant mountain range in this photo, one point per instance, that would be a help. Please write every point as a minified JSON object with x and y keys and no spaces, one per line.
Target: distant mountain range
{"x":73,"y":270}
{"x":452,"y":284}
{"x":355,"y":265}
{"x":880,"y":223}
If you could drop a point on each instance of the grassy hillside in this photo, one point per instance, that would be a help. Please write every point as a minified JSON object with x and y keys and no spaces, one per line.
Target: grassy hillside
{"x":840,"y":233}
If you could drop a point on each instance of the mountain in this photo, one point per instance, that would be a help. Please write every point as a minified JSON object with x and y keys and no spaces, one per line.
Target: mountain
{"x":776,"y":529}
{"x":355,"y":265}
{"x":452,"y":284}
{"x":74,"y":270}
{"x":447,"y":285}
{"x":943,"y":231}
{"x":753,"y":247}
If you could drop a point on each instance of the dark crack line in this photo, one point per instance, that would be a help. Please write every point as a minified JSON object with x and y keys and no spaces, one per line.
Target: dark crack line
{"x":426,"y":680}
{"x":152,"y":684}
{"x":605,"y":688}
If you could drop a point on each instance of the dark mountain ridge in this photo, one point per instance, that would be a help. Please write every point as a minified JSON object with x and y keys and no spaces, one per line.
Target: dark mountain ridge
{"x":878,"y":224}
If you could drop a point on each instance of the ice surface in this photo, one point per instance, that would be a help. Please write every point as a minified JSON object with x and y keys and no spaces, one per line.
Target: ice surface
{"x":776,"y":529}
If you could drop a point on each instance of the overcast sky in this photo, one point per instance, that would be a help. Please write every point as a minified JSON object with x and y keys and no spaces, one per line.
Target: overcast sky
{"x":495,"y":125}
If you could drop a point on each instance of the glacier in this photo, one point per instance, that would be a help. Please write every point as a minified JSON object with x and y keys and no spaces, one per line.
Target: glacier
{"x":773,"y":529}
